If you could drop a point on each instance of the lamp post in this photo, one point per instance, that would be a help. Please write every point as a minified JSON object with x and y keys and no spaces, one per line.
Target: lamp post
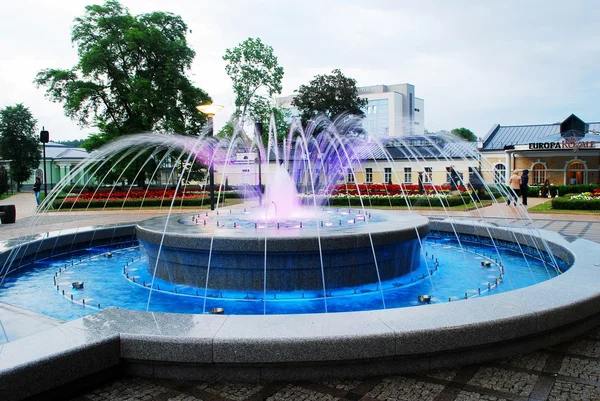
{"x":44,"y":139}
{"x":210,"y":110}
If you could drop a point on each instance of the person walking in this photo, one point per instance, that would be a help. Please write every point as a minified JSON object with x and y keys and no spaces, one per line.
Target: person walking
{"x":514,"y":182}
{"x":524,"y":186}
{"x":37,"y":187}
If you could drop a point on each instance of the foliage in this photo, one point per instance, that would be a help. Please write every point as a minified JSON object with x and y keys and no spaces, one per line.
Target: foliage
{"x":398,"y":200}
{"x":256,"y":76}
{"x":19,"y":142}
{"x":130,"y":77}
{"x":331,"y":95}
{"x":389,"y":189}
{"x":569,"y":203}
{"x":74,"y":143}
{"x":137,"y":198}
{"x":465,"y":133}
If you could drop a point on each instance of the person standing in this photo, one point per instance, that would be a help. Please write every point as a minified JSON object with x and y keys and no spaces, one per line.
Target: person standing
{"x":514,"y":182}
{"x":524,"y":186}
{"x":37,"y":187}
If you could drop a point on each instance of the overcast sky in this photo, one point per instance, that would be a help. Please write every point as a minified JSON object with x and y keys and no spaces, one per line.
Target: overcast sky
{"x":475,"y":63}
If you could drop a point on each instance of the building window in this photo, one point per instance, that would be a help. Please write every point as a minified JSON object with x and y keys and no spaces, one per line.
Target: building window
{"x":369,"y":175}
{"x":407,"y":175}
{"x":428,"y":176}
{"x":499,"y":173}
{"x":350,"y":176}
{"x":576,"y":170}
{"x":538,"y":174}
{"x":387,"y":177}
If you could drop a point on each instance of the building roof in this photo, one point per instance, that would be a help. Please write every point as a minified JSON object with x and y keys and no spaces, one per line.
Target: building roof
{"x":57,"y":151}
{"x":500,"y":136}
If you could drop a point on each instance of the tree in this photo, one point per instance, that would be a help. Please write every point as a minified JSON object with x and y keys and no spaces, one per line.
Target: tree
{"x":465,"y":133}
{"x":331,"y":95}
{"x":256,"y":78}
{"x":73,"y":143}
{"x":19,"y":142}
{"x":130,"y":77}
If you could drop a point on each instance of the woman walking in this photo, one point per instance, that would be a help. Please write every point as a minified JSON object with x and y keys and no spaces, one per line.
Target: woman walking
{"x":514,"y":182}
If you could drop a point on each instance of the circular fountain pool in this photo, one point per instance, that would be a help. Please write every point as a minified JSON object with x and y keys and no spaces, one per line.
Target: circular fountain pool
{"x":443,"y":267}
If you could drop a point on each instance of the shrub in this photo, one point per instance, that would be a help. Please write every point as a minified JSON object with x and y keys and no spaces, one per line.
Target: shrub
{"x":567,"y":203}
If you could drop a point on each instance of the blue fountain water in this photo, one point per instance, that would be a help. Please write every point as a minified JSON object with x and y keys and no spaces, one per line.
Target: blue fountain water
{"x":122,"y":281}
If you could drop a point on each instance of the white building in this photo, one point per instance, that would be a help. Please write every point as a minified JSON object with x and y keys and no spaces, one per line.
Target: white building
{"x":393,"y":110}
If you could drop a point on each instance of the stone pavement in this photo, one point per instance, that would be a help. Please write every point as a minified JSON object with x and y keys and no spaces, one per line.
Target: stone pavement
{"x":568,"y":371}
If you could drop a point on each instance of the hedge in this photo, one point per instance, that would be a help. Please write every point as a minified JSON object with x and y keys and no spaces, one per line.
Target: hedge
{"x":565,"y":203}
{"x":534,"y":191}
{"x":397,"y":201}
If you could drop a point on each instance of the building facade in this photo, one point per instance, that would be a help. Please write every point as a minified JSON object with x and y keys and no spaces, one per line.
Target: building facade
{"x":60,"y":160}
{"x":392,"y":111}
{"x":564,"y":153}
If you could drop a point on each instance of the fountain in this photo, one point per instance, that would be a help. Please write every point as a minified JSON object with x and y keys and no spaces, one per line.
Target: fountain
{"x":295,"y":245}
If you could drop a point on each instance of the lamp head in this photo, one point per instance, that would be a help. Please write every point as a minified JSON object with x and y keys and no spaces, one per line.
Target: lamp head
{"x":209,"y":109}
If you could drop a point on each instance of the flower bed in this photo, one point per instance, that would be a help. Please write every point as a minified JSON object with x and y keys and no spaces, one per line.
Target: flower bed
{"x":137,"y":198}
{"x":390,"y":189}
{"x":582,"y":201}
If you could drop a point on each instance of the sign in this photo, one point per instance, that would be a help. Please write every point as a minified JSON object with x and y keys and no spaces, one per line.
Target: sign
{"x":570,"y":143}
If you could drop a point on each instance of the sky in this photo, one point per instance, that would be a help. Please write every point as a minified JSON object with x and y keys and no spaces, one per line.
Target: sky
{"x":475,"y":63}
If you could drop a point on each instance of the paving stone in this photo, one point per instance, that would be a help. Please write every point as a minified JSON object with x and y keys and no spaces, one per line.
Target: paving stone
{"x":583,"y":369}
{"x":585,"y":347}
{"x":184,"y":397}
{"x":127,"y":389}
{"x":346,"y":385}
{"x":469,"y":396}
{"x":446,"y":374}
{"x":402,"y":388}
{"x":292,"y":392}
{"x":504,"y":380}
{"x":231,"y":391}
{"x":532,"y":361}
{"x":571,"y":391}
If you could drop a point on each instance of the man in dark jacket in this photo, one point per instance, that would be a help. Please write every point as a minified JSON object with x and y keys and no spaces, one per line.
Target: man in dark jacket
{"x":524,"y":185}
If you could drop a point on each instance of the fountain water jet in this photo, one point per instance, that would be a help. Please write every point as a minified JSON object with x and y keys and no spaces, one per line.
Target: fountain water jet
{"x":309,"y":345}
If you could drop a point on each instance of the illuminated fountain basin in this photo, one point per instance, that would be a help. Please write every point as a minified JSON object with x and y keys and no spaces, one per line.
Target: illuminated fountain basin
{"x":312,"y":346}
{"x":240,"y":251}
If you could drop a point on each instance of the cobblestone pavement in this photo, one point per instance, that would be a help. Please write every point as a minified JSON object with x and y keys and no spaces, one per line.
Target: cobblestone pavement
{"x":568,"y":371}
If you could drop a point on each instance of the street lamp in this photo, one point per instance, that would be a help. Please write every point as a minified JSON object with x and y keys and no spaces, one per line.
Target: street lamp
{"x":44,"y":139}
{"x":210,"y":110}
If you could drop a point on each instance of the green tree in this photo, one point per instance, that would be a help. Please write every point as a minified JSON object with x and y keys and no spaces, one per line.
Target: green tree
{"x":465,"y":133}
{"x":74,"y":143}
{"x":19,"y":142}
{"x":256,"y":76}
{"x":331,"y":95}
{"x":131,"y":75}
